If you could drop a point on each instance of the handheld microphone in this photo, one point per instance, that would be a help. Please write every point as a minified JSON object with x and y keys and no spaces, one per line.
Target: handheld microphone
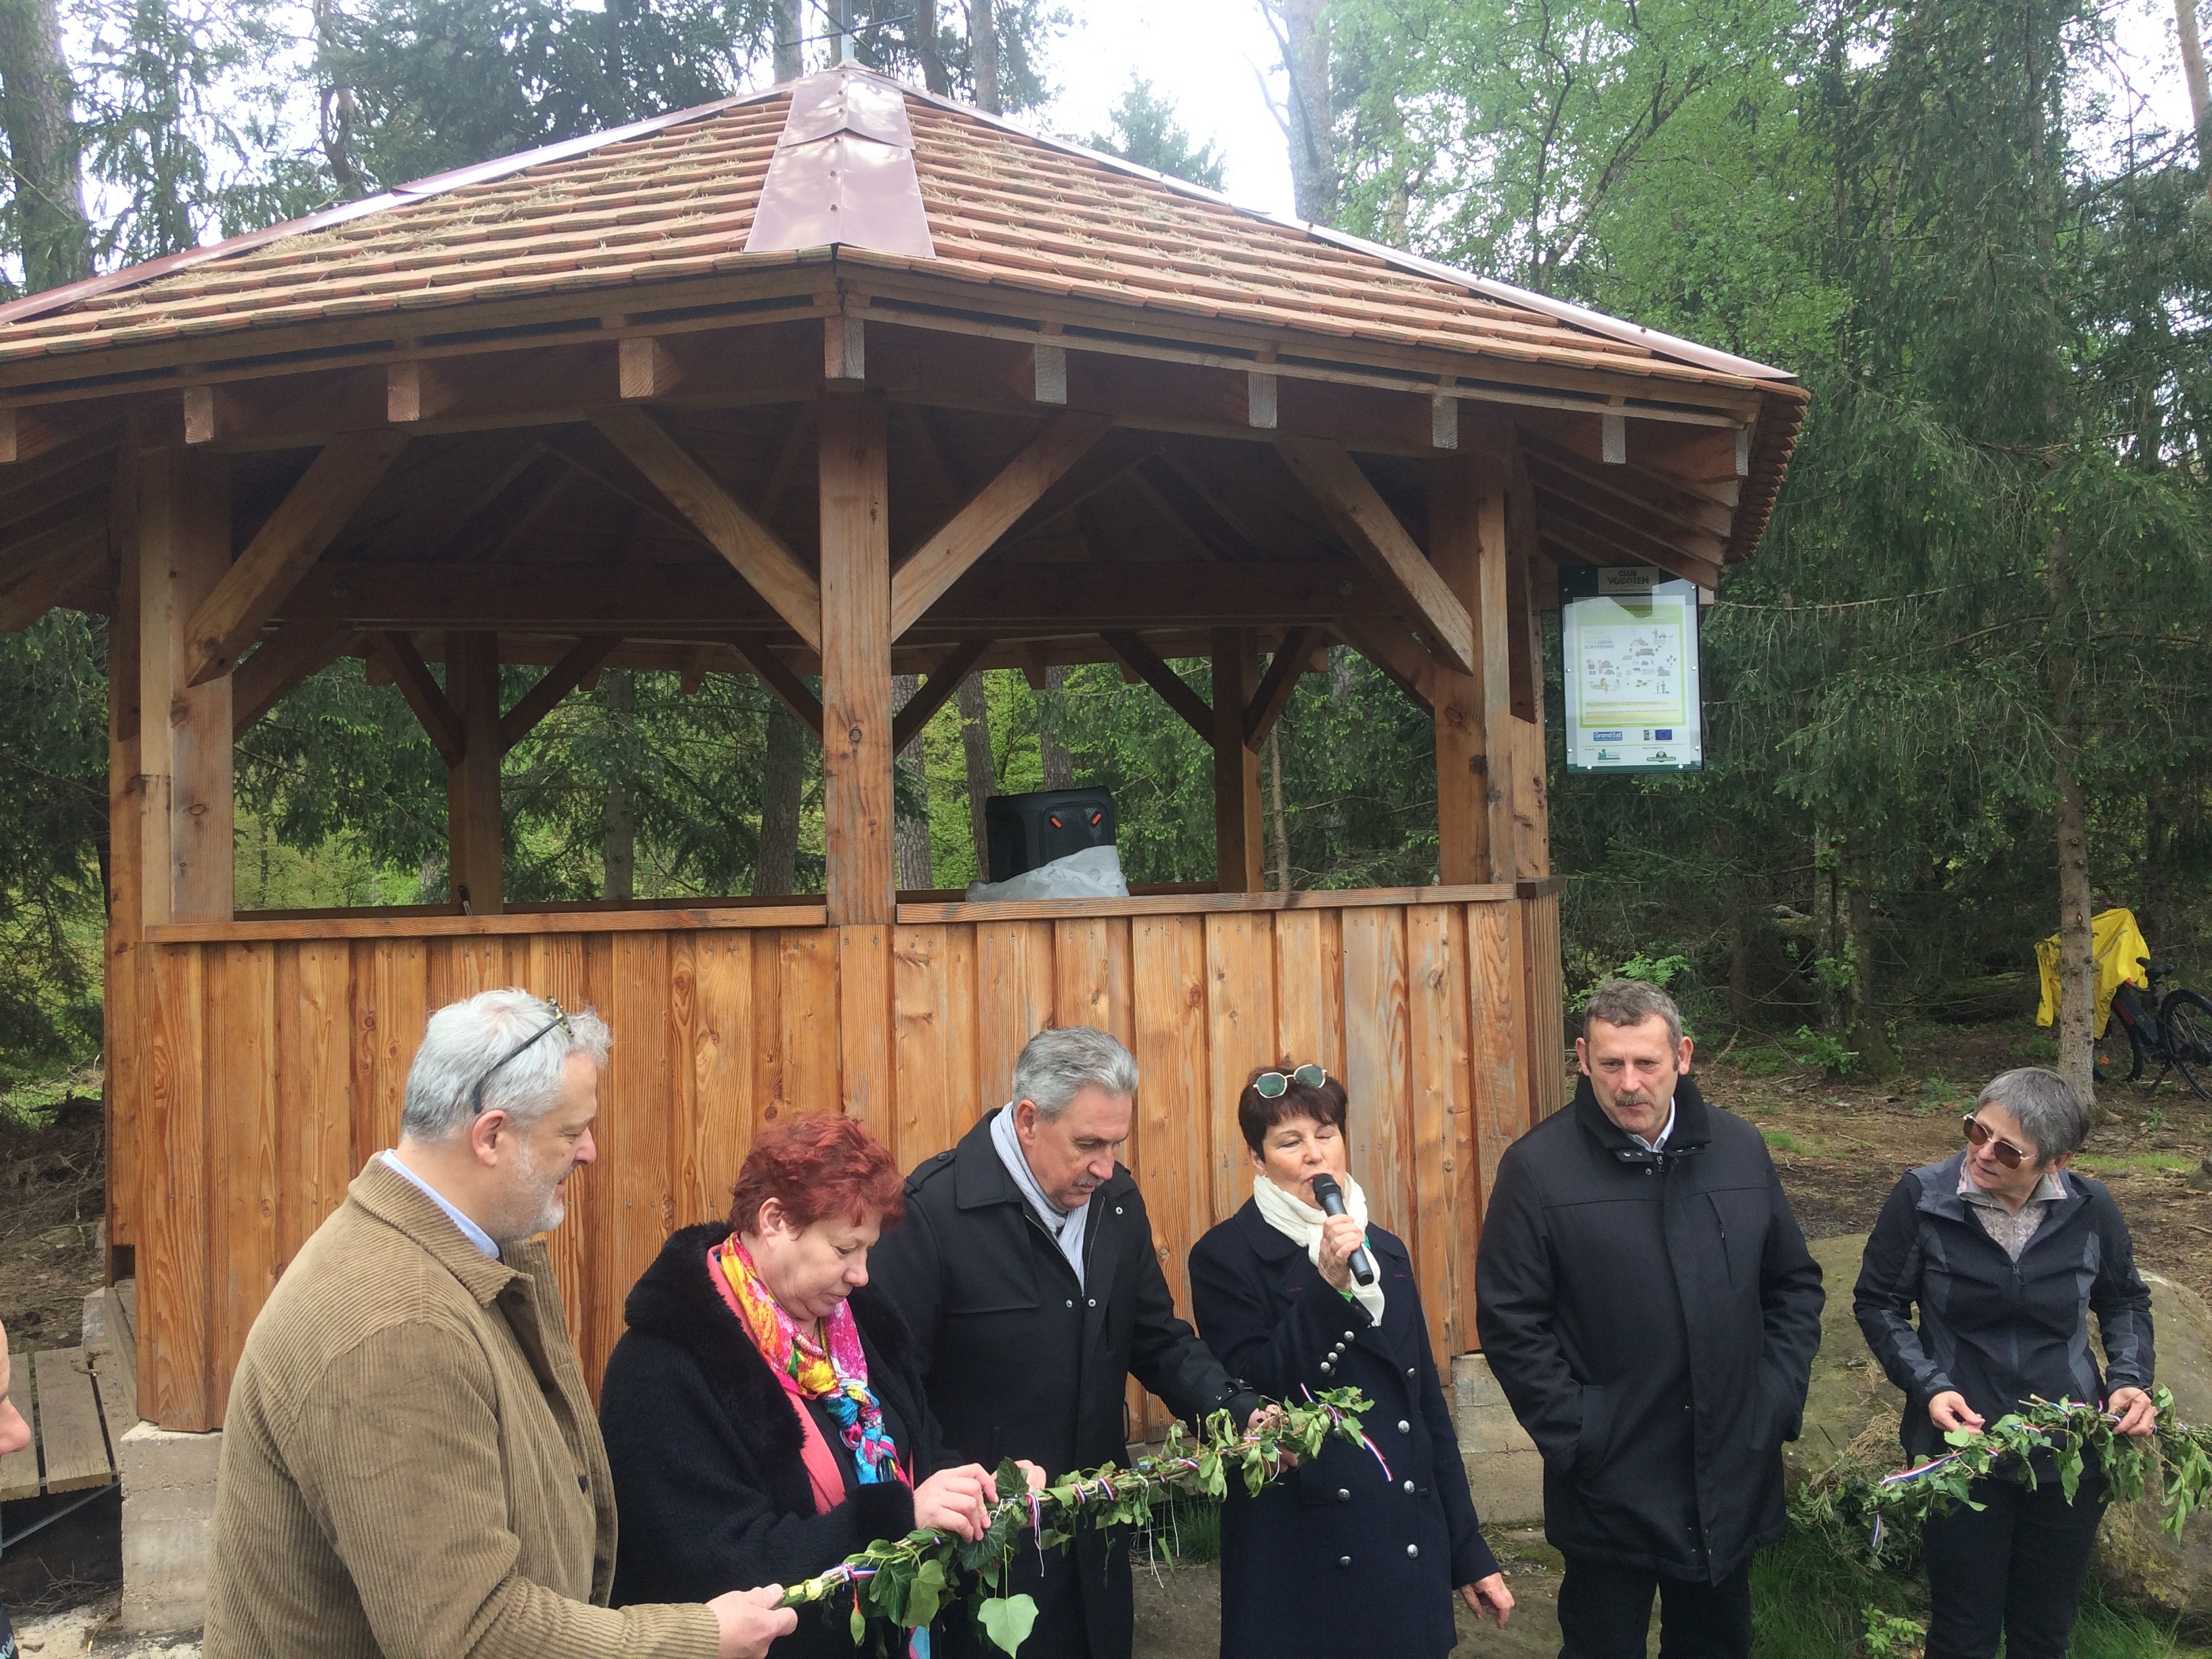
{"x":1331,"y":1197}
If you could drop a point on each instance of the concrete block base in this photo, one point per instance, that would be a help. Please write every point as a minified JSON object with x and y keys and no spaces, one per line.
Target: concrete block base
{"x":169,"y":1500}
{"x":1503,"y":1468}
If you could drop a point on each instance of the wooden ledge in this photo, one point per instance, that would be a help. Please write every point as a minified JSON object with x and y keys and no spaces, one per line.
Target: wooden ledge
{"x":1172,"y":904}
{"x":370,"y":925}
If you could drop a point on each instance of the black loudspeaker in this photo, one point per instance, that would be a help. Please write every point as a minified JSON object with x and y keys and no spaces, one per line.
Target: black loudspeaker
{"x":1028,"y":831}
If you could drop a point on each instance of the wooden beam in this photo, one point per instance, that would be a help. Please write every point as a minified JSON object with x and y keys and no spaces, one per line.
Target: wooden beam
{"x":936,"y":691}
{"x":844,"y":350}
{"x":279,"y":663}
{"x":28,"y":434}
{"x":1048,"y":373}
{"x":1610,"y":497}
{"x":856,"y":661}
{"x":440,"y":720}
{"x":1153,"y":669}
{"x":785,"y":686}
{"x":1476,"y":825}
{"x":476,"y":858}
{"x":1399,"y":657}
{"x":78,"y":553}
{"x":647,"y":368}
{"x":184,"y":549}
{"x":1238,"y":862}
{"x":329,"y":493}
{"x":556,"y":683}
{"x":1656,"y":492}
{"x":1603,"y":539}
{"x":1523,"y":641}
{"x":1368,"y":525}
{"x":1281,"y":680}
{"x":754,"y":551}
{"x":925,"y":573}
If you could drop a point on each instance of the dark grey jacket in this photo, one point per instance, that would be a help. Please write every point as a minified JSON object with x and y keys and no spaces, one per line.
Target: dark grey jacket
{"x":1996,"y":1330}
{"x":1652,"y":1319}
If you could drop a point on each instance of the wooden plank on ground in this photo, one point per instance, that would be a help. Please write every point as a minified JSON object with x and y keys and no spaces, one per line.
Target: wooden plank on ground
{"x":70,"y":1441}
{"x":115,"y":1370}
{"x":19,"y":1470}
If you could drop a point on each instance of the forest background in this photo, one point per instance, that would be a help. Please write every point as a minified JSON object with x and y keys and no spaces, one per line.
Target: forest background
{"x":1963,"y":694}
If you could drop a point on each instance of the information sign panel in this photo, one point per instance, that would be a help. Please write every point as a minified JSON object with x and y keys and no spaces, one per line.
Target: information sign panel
{"x":1629,"y":637}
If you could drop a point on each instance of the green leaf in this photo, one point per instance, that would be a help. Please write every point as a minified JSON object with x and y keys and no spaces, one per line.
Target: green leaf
{"x":1008,"y":1620}
{"x":860,"y":1622}
{"x":1012,"y":1483}
{"x":923,"y":1597}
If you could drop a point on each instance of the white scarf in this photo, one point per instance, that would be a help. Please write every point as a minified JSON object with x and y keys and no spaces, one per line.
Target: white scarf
{"x":1067,"y":1227}
{"x":1300,"y":1223}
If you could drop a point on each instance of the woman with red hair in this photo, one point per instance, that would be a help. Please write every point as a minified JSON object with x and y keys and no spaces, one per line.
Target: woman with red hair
{"x":763,"y":1414}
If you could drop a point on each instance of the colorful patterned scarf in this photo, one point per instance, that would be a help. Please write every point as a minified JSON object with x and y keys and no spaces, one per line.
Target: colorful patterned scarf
{"x":840,"y":1375}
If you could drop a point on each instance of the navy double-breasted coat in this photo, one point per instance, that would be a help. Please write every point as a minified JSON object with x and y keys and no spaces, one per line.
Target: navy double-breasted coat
{"x":1338,"y":1556}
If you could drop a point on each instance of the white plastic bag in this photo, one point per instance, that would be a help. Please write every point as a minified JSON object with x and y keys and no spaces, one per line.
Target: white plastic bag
{"x":1095,"y":873}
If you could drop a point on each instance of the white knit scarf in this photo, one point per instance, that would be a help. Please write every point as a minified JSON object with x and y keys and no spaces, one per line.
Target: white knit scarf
{"x":1301,"y":1223}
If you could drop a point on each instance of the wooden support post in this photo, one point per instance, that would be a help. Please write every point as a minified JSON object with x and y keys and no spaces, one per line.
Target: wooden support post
{"x":185,"y":752}
{"x":121,"y":1051}
{"x":1474,"y":712}
{"x":856,"y":659}
{"x":1236,"y":822}
{"x":472,"y":810}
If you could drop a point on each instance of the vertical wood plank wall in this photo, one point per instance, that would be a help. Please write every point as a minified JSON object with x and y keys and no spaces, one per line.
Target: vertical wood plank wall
{"x":267,"y":1073}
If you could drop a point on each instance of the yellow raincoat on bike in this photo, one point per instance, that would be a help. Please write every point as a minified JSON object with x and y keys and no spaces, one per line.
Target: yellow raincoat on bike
{"x":2118,"y":946}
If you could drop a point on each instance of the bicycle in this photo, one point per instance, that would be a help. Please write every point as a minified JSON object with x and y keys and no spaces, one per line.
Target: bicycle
{"x":2178,"y":1034}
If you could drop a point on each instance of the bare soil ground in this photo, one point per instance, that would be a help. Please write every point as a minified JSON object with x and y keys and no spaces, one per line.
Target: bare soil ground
{"x":51,"y":1202}
{"x":1841,"y":1143}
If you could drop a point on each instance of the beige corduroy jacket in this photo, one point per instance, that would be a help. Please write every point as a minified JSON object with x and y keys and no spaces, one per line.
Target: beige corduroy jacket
{"x":411,"y":1468}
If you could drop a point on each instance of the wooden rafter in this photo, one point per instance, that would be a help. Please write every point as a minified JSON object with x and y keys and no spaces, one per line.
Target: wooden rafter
{"x":336,"y":483}
{"x":1153,"y":669}
{"x":424,"y":695}
{"x":1653,"y":492}
{"x":1282,"y":679}
{"x":754,"y":551}
{"x":556,"y":683}
{"x":793,"y":692}
{"x":1399,"y":658}
{"x":279,"y":663}
{"x":1364,"y":519}
{"x":71,"y":554}
{"x":923,"y":577}
{"x":936,"y":691}
{"x":1597,"y":538}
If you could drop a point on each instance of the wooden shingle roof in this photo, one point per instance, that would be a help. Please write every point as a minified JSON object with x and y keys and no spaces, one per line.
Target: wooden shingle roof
{"x":675,"y":197}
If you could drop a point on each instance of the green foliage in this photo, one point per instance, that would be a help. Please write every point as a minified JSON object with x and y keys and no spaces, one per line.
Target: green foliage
{"x":1143,"y":127}
{"x":1891,"y":1635}
{"x":1827,"y":1052}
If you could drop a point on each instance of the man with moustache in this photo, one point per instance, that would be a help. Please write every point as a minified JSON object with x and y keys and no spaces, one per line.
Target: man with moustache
{"x":1645,"y":1299}
{"x":411,"y":1466}
{"x":1026,"y":1269}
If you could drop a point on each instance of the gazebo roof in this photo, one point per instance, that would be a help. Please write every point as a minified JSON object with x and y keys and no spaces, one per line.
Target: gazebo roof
{"x":675,"y":198}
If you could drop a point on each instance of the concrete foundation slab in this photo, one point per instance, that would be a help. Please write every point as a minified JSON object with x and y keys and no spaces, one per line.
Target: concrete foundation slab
{"x":169,"y":1500}
{"x":1503,"y":1468}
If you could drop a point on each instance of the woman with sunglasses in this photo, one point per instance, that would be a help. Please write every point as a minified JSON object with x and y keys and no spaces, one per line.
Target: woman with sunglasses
{"x":1358,"y":1550}
{"x":2006,"y":1253}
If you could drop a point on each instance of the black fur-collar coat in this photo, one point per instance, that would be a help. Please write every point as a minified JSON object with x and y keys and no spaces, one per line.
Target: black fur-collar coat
{"x":710,"y":1484}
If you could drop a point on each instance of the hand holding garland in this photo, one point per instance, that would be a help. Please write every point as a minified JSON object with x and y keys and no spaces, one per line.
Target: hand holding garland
{"x":907,"y":1581}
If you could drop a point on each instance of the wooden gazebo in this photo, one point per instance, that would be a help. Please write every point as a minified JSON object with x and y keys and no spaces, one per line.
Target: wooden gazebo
{"x":841,"y":379}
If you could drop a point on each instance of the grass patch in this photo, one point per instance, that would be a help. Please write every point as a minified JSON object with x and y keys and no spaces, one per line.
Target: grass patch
{"x":30,"y":1101}
{"x":1780,"y":1140}
{"x":2094,"y":1162}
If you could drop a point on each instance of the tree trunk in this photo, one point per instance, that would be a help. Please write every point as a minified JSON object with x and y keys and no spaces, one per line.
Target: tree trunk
{"x":1740,"y":927}
{"x":983,"y":50}
{"x":783,"y":781}
{"x":1309,"y":119}
{"x":42,"y":145}
{"x":910,"y":835}
{"x":1053,"y":758}
{"x":2077,"y":965}
{"x":1828,"y":934}
{"x":790,"y":30}
{"x":1878,"y":1055}
{"x":620,"y":845}
{"x":1279,"y":830}
{"x":2192,"y":71}
{"x":982,"y":769}
{"x":926,"y":47}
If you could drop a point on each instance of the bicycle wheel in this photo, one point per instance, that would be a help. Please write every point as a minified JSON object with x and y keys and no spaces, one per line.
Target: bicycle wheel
{"x":2118,"y":1053}
{"x":2187,"y":1017}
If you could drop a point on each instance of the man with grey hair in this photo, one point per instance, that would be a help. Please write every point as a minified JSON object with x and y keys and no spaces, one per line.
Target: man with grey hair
{"x":410,"y":1463}
{"x":1027,"y":1270}
{"x":1646,"y":1301}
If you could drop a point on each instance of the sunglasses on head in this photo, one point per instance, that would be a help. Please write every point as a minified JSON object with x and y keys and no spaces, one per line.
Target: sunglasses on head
{"x":1978,"y":1134}
{"x":558,"y":1023}
{"x":1273,"y":1086}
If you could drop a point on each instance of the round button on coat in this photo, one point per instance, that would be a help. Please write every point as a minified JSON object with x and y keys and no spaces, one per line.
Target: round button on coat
{"x":1413,"y":1552}
{"x":1404,"y":1427}
{"x":1343,"y":1560}
{"x":1343,"y":1495}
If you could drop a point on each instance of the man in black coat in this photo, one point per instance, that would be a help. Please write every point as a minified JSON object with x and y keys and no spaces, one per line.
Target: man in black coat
{"x":1027,"y":1273}
{"x":1646,"y":1301}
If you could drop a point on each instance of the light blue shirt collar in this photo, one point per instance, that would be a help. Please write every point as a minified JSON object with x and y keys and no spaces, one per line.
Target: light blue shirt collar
{"x":475,"y":1235}
{"x":1658,"y":1142}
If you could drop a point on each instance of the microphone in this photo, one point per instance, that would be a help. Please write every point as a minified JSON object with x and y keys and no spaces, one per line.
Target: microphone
{"x":1332,"y":1200}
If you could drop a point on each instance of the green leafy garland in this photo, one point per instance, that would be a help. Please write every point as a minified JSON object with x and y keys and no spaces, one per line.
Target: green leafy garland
{"x":1853,"y":1500}
{"x":906,"y":1581}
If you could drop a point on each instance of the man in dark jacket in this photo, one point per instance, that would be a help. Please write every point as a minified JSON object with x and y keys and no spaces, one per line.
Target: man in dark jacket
{"x":1646,"y":1301}
{"x":1027,"y":1273}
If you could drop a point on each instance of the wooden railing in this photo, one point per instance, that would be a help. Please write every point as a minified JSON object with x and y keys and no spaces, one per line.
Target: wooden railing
{"x":271,"y":1060}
